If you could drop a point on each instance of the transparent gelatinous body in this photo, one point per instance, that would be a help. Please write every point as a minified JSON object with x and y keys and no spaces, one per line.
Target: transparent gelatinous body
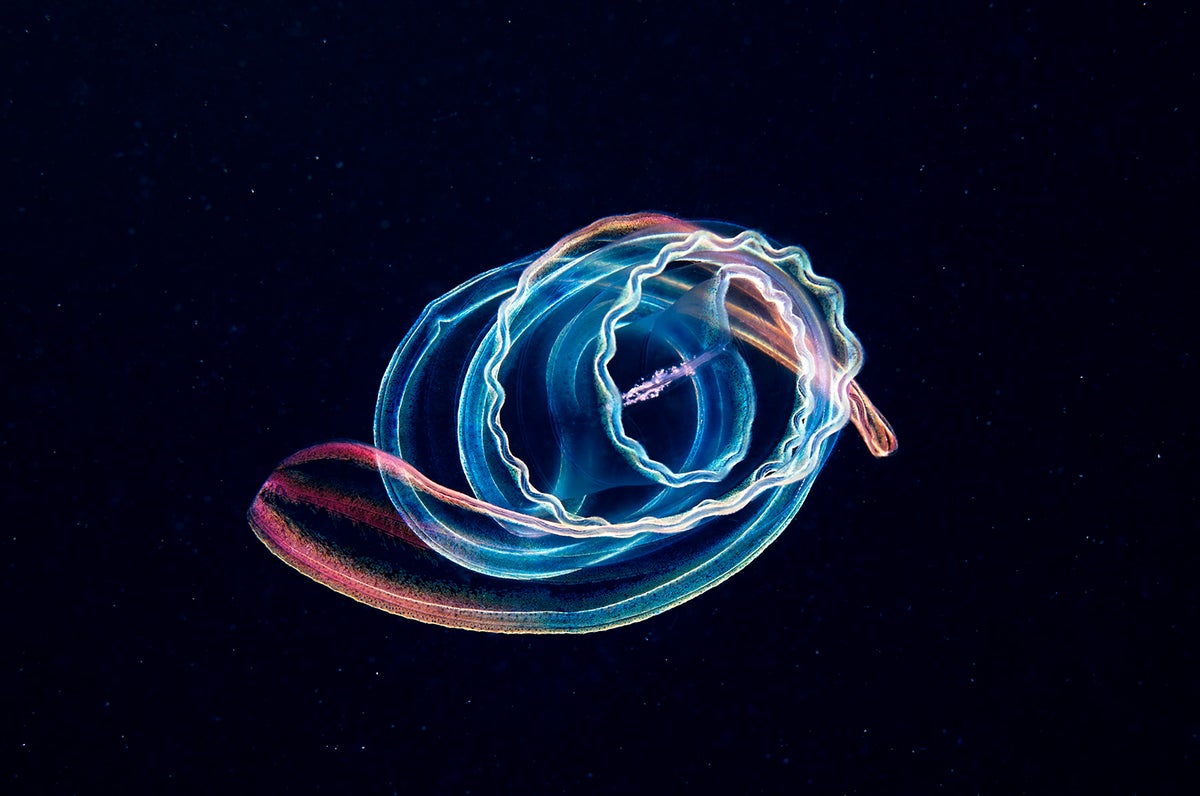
{"x":586,"y":437}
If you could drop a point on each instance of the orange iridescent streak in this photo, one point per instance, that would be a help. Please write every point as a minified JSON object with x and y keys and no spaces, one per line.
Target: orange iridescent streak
{"x":288,"y":540}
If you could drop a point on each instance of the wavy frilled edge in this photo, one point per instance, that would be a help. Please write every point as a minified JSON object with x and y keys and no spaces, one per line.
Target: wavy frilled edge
{"x":784,"y":337}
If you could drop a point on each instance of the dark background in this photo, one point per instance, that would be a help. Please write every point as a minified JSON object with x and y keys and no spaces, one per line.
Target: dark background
{"x":217,"y":223}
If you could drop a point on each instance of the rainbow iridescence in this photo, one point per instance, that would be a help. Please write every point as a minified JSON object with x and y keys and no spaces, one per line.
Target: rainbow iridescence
{"x":586,"y":437}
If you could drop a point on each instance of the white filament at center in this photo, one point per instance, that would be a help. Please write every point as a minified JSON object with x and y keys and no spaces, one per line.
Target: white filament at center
{"x":650,"y":388}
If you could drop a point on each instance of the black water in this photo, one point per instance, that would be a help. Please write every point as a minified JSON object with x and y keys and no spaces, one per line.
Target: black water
{"x":218,"y":221}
